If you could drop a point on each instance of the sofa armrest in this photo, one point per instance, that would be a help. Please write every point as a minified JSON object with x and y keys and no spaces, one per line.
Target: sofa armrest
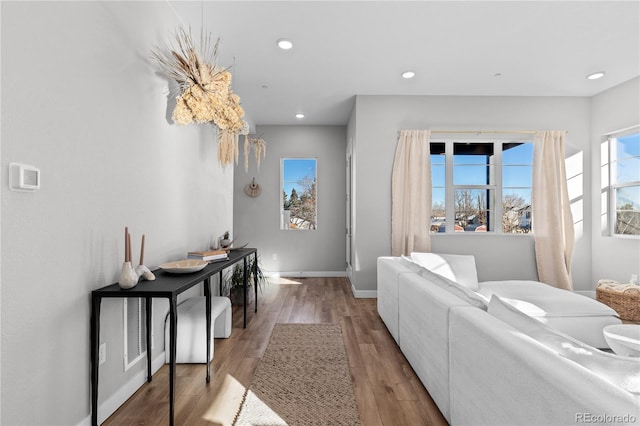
{"x":389,"y":270}
{"x":424,"y":337}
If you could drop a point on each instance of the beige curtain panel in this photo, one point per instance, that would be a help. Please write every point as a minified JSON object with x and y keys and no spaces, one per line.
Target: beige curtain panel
{"x":411,"y":194}
{"x":553,"y":222}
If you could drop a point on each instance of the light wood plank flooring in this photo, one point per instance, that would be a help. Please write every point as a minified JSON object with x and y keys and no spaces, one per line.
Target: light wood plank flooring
{"x":387,"y":390}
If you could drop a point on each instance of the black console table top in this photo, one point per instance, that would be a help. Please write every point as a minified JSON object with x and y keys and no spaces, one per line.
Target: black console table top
{"x":167,"y":283}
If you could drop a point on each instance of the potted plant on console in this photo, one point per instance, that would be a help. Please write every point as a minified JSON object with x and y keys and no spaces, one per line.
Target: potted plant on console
{"x":233,"y":285}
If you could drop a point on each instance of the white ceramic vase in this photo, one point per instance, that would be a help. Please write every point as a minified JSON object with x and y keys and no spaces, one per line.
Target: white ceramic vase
{"x":145,"y":273}
{"x":128,"y":277}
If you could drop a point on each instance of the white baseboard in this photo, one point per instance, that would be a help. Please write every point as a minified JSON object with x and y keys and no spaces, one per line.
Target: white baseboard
{"x":330,"y":274}
{"x":111,"y":404}
{"x":364,"y":294}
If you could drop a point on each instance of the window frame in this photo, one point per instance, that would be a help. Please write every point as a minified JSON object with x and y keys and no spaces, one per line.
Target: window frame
{"x":283,"y":216}
{"x":497,"y":185}
{"x":611,"y":186}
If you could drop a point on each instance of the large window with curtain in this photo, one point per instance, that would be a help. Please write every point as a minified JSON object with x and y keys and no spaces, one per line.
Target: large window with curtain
{"x":621,"y":183}
{"x":481,"y":186}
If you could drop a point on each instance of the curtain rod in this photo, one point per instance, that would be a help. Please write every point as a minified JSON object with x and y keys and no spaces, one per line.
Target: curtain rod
{"x":621,"y":130}
{"x":478,"y":132}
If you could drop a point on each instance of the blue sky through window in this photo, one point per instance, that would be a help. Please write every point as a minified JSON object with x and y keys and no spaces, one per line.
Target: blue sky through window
{"x":295,"y":171}
{"x":628,"y":158}
{"x":471,"y":170}
{"x":628,"y":170}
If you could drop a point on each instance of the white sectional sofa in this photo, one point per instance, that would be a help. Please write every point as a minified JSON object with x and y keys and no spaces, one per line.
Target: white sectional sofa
{"x":486,"y":362}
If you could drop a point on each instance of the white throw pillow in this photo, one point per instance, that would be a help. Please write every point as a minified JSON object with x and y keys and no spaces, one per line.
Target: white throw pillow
{"x":469,"y":296}
{"x":460,"y":268}
{"x":622,"y":371}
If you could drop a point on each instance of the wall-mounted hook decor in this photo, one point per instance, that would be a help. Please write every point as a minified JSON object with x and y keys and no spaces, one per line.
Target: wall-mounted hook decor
{"x":253,"y":189}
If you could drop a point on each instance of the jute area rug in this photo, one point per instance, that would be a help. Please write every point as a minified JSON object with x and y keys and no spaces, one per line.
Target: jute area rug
{"x":302,"y":379}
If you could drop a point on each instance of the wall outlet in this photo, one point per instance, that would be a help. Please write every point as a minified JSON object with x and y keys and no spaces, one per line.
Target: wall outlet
{"x":634,"y":279}
{"x":102,"y":354}
{"x":274,"y":256}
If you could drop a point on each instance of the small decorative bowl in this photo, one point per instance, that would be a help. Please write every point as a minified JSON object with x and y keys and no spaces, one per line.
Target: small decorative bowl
{"x":184,"y":266}
{"x":624,"y":339}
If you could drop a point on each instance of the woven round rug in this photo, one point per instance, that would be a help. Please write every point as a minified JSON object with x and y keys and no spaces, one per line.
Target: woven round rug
{"x":302,"y":379}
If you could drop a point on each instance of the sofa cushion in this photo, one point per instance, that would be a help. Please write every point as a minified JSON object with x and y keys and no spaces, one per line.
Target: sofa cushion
{"x":537,"y":299}
{"x":581,"y":317}
{"x":621,"y":371}
{"x":455,"y":267}
{"x":462,"y":292}
{"x":500,"y":376}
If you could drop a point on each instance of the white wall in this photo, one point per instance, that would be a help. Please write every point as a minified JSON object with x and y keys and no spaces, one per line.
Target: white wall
{"x":257,"y":220}
{"x":378,"y":120}
{"x":82,"y":102}
{"x":615,"y":109}
{"x":1,"y":189}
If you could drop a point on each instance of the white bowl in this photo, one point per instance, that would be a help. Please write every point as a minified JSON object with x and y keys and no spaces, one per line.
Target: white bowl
{"x":624,"y":339}
{"x":184,"y":266}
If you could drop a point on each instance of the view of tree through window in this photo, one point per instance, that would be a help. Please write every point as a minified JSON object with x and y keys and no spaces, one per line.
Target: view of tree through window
{"x":481,"y":186}
{"x":299,"y":195}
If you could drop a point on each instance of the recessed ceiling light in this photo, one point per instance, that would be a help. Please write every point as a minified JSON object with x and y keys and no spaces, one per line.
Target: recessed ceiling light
{"x":285,"y":44}
{"x":408,"y":74}
{"x":595,"y":75}
{"x":299,"y":115}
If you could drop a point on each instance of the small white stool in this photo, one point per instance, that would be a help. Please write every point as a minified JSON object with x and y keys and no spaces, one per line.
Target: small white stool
{"x":191,"y":331}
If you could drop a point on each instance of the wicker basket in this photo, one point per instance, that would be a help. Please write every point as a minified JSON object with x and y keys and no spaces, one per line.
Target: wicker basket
{"x":623,"y":298}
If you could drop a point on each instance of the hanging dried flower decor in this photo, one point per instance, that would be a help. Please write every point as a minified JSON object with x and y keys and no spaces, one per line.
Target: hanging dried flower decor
{"x":259,"y":150}
{"x":205,"y":94}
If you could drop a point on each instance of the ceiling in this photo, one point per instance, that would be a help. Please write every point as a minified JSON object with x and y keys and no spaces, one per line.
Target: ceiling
{"x":347,"y":48}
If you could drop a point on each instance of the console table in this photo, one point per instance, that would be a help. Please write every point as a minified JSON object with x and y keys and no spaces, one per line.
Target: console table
{"x":168,"y":286}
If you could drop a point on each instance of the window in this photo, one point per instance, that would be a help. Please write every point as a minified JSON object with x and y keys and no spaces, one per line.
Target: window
{"x":481,"y":186}
{"x":299,"y":194}
{"x":621,"y":182}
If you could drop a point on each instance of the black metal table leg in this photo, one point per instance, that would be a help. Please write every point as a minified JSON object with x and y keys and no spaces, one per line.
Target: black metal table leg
{"x":207,"y":312}
{"x":95,"y":343}
{"x":244,"y":282}
{"x":255,"y":279}
{"x":149,"y":313}
{"x":173,"y":321}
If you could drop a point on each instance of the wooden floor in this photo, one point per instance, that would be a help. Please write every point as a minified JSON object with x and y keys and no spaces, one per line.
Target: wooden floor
{"x":387,"y":390}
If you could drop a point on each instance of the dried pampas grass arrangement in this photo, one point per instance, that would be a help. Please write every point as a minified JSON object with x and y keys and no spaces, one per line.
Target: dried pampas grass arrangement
{"x":227,"y":147}
{"x":259,"y":150}
{"x":205,"y":94}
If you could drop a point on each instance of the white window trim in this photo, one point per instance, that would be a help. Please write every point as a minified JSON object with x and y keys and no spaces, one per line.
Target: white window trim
{"x":450,"y":187}
{"x":284,"y":216}
{"x":611,"y":184}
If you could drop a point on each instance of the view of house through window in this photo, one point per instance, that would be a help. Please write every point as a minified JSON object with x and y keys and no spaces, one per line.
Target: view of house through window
{"x":481,"y":186}
{"x":621,"y":182}
{"x":299,"y":198}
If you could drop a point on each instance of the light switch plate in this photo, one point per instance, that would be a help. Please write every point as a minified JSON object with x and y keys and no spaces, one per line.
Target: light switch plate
{"x":23,"y":177}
